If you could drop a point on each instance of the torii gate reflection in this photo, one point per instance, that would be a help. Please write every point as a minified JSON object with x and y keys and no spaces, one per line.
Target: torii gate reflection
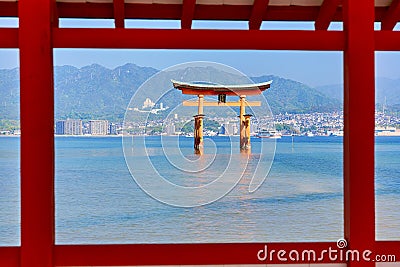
{"x":222,"y":91}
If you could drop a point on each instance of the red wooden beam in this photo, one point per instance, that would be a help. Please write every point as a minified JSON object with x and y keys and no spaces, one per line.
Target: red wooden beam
{"x":86,"y":10}
{"x":194,"y":39}
{"x":359,"y":121}
{"x":387,"y":40}
{"x":174,"y":11}
{"x":188,"y":8}
{"x":8,"y":9}
{"x":203,"y":12}
{"x":55,"y":19}
{"x":392,"y":16}
{"x":388,"y":248}
{"x":9,"y":256}
{"x":326,"y":14}
{"x":184,"y":254}
{"x":257,"y":14}
{"x":229,"y":93}
{"x":9,"y":38}
{"x":119,"y":13}
{"x":37,"y":133}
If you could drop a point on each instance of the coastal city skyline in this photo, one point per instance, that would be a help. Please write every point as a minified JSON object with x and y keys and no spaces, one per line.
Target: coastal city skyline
{"x":307,"y":124}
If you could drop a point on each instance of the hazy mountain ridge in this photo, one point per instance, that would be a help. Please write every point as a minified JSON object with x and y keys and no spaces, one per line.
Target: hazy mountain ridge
{"x":290,"y":96}
{"x":97,"y":92}
{"x":387,"y":92}
{"x":9,"y":93}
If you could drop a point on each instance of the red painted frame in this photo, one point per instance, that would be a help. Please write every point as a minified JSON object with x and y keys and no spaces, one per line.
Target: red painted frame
{"x":174,"y":11}
{"x":391,"y":16}
{"x":359,"y":120}
{"x":257,"y":14}
{"x":326,"y":14}
{"x":119,"y":13}
{"x":36,"y":38}
{"x":188,"y":9}
{"x":37,"y":101}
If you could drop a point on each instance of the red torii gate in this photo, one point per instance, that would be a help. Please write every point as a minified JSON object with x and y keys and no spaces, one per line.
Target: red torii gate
{"x":222,"y":91}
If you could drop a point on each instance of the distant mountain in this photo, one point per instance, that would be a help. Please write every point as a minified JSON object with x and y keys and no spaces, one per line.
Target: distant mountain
{"x":294,"y":97}
{"x":97,"y":92}
{"x":333,"y":91}
{"x":387,"y":92}
{"x":9,"y":94}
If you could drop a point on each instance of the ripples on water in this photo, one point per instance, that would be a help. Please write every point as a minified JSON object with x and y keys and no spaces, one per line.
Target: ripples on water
{"x":9,"y":191}
{"x":97,"y":200}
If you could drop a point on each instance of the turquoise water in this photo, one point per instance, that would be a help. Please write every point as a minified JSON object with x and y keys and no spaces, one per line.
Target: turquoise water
{"x":97,"y":200}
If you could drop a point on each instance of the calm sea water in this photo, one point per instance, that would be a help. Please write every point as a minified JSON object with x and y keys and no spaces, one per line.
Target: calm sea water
{"x":97,"y":200}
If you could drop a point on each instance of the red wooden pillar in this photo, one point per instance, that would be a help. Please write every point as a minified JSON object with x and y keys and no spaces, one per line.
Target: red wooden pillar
{"x":359,"y":124}
{"x":37,"y":127}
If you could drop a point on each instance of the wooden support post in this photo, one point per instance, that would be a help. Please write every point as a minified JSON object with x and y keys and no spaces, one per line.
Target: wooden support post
{"x":200,"y":105}
{"x":188,"y":9}
{"x":198,"y":126}
{"x":391,"y":16}
{"x":242,"y":121}
{"x":119,"y":13}
{"x":257,"y":14}
{"x":198,"y":133}
{"x":247,"y":144}
{"x":326,"y":14}
{"x":37,"y":133}
{"x":359,"y":121}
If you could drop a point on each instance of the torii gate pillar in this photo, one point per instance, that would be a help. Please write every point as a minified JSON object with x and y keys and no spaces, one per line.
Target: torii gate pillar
{"x":244,"y":121}
{"x":246,"y":138}
{"x":198,"y":125}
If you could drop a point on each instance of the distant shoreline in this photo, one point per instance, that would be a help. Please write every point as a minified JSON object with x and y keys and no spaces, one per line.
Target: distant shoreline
{"x":83,"y":135}
{"x":120,"y":136}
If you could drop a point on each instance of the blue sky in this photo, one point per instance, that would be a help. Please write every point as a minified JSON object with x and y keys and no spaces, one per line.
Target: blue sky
{"x":312,"y":68}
